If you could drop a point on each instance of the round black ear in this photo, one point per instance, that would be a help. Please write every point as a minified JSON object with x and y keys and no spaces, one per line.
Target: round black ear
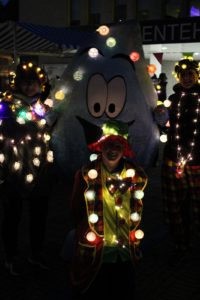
{"x":92,"y":132}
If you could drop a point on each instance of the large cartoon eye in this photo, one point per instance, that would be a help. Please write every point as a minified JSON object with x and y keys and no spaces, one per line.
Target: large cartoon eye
{"x":116,"y":97}
{"x":97,"y":95}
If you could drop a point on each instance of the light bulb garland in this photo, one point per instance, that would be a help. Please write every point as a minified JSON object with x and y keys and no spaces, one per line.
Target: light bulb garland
{"x":117,"y":187}
{"x":28,"y":146}
{"x":182,"y":160}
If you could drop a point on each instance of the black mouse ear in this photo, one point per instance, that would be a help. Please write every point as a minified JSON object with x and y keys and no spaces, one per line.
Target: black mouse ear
{"x":92,"y":132}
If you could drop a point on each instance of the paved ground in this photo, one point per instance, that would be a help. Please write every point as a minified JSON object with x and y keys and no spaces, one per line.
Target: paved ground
{"x":156,"y":279}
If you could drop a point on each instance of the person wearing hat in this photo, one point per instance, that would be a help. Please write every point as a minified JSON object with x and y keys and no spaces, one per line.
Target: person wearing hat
{"x":26,"y":163}
{"x":107,"y":207}
{"x":181,"y":160}
{"x":30,"y":82}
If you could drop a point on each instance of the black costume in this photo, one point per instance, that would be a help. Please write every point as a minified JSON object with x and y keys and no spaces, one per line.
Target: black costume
{"x":181,"y":166}
{"x":26,"y":169}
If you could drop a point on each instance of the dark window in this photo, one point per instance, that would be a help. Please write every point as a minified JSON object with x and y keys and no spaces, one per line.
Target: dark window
{"x":94,"y":19}
{"x":75,"y":22}
{"x":75,"y":12}
{"x":9,"y":10}
{"x":143,"y":14}
{"x":120,"y":12}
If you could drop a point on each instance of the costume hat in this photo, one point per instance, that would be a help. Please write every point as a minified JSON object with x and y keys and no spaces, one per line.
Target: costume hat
{"x":186,"y":64}
{"x":112,"y":130}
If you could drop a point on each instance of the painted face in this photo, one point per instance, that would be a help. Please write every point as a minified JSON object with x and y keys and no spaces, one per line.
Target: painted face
{"x":188,"y":78}
{"x":112,"y":151}
{"x":30,"y":87}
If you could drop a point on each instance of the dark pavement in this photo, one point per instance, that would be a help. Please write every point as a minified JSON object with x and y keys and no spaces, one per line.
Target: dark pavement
{"x":156,"y":279}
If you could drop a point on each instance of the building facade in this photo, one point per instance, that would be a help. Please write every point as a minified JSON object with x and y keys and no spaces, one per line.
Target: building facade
{"x":170,"y":27}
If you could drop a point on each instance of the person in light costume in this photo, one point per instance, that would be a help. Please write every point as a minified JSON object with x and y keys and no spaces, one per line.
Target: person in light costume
{"x":107,"y":208}
{"x":181,"y":160}
{"x":26,"y":161}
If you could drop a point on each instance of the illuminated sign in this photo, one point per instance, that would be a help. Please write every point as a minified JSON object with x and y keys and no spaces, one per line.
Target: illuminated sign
{"x":173,"y":31}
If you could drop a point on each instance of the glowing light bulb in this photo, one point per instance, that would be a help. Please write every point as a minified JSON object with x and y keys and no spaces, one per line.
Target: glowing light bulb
{"x":49,"y":102}
{"x":92,"y":174}
{"x":134,"y":56}
{"x":130,"y":173}
{"x":163,"y":138}
{"x":93,"y":218}
{"x":36,"y":162}
{"x":78,"y":75}
{"x":90,"y":195}
{"x":135,"y":217}
{"x":29,"y":178}
{"x":93,"y":52}
{"x":59,"y":95}
{"x":2,"y":157}
{"x":29,"y":116}
{"x":91,"y":236}
{"x":93,"y":156}
{"x":139,"y":234}
{"x":16,"y":165}
{"x":42,"y":122}
{"x":111,"y":42}
{"x":103,"y":30}
{"x":47,"y":137}
{"x":50,"y":156}
{"x":20,"y":120}
{"x":37,"y":150}
{"x":139,"y":194}
{"x":167,"y":103}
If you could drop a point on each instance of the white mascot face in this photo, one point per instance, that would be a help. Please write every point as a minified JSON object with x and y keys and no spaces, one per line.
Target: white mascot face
{"x":102,"y":83}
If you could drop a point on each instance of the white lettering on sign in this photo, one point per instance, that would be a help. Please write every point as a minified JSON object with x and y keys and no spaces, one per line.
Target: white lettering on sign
{"x":147,"y":33}
{"x":175,"y":32}
{"x":185,"y":34}
{"x":196,"y":29}
{"x":172,"y":28}
{"x":158,"y":33}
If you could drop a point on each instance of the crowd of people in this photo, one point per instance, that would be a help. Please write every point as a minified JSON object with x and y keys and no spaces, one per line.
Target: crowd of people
{"x":107,"y":196}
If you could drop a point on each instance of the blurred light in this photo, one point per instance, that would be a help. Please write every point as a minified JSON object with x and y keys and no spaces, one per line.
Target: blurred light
{"x":167,"y":103}
{"x":59,"y":95}
{"x":139,"y":194}
{"x":92,"y":174}
{"x":93,"y":218}
{"x":93,"y":156}
{"x":130,"y":173}
{"x":139,"y":234}
{"x":134,"y":56}
{"x":91,"y":236}
{"x":111,"y":42}
{"x":163,"y":138}
{"x":29,"y":178}
{"x":103,"y":30}
{"x":16,"y":165}
{"x":93,"y":52}
{"x":135,"y":217}
{"x":90,"y":195}
{"x":78,"y":75}
{"x":50,"y":156}
{"x":194,"y":12}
